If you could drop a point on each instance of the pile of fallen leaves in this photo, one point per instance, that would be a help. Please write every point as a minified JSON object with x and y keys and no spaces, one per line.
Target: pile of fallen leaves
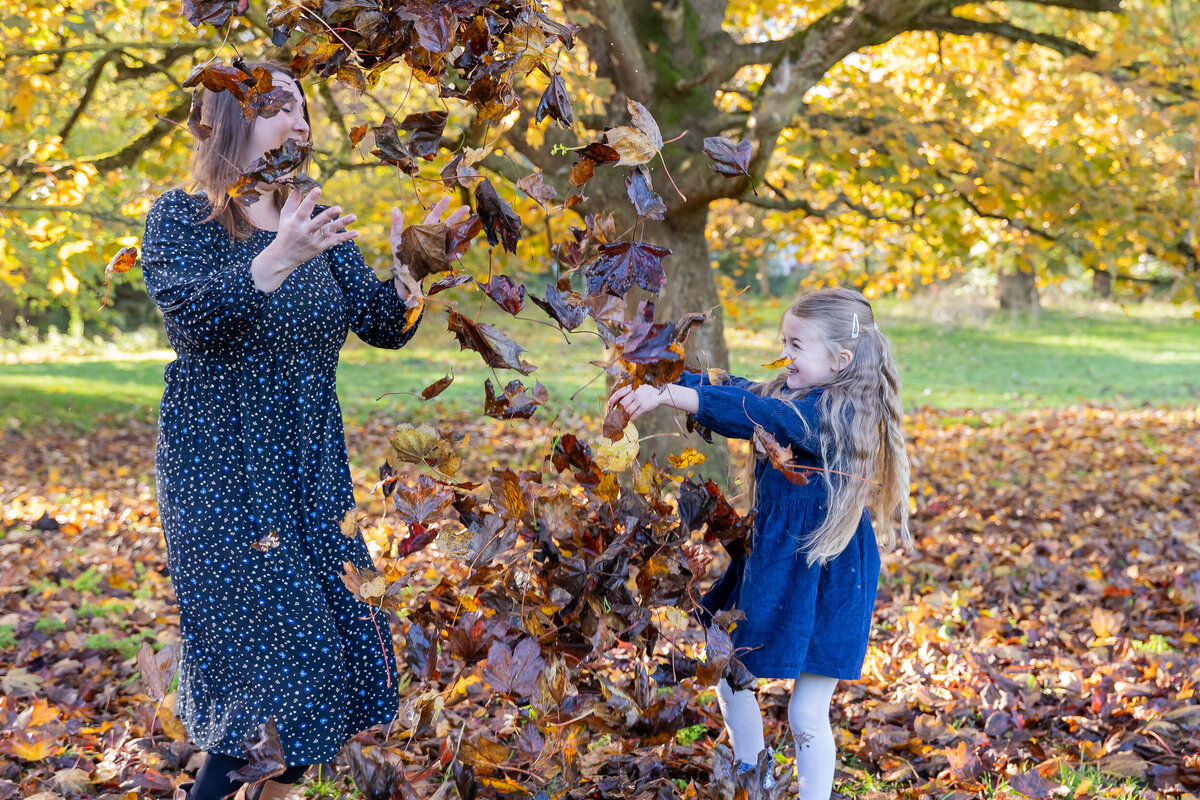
{"x":1045,"y":628}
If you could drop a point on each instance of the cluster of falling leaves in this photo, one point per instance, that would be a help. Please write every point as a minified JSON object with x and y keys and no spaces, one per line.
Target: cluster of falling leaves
{"x":1046,"y":622}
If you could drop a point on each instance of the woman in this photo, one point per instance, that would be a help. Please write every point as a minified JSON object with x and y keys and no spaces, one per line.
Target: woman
{"x":252,"y":472}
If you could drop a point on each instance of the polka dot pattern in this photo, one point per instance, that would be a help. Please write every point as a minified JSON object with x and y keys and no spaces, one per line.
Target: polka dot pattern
{"x":251,"y":441}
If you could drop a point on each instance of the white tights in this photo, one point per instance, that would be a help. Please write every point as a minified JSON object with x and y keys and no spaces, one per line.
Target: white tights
{"x":808,"y":714}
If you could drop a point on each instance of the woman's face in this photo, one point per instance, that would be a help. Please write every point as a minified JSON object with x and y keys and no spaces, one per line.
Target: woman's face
{"x":270,"y":132}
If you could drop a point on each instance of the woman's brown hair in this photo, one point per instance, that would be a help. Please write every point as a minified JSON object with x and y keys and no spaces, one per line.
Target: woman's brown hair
{"x":215,"y":157}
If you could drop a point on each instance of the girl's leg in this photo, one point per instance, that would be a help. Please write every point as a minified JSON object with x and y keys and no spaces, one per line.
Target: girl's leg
{"x":743,"y":720}
{"x":213,"y":783}
{"x":808,"y":713}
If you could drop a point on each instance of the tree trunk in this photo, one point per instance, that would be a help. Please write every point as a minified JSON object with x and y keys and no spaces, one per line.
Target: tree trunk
{"x":689,"y":288}
{"x":1018,"y":292}
{"x":1102,"y":283}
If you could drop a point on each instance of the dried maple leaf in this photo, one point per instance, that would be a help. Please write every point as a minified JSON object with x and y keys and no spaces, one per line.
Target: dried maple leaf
{"x":422,"y":503}
{"x":779,"y":456}
{"x":514,"y":672}
{"x":515,"y":402}
{"x":357,"y":134}
{"x":646,"y":202}
{"x":123,"y":261}
{"x":460,"y":234}
{"x":507,"y":293}
{"x":500,"y":223}
{"x":265,"y":755}
{"x":157,"y":669}
{"x":389,"y":149}
{"x":567,"y":309}
{"x":728,"y":158}
{"x":639,"y":143}
{"x":556,"y":104}
{"x":458,"y":173}
{"x":534,"y":186}
{"x":498,"y":351}
{"x":622,"y":264}
{"x":437,"y":387}
{"x":426,"y":129}
{"x":422,"y":249}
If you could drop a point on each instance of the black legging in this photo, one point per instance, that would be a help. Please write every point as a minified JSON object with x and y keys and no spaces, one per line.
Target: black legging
{"x":212,"y":781}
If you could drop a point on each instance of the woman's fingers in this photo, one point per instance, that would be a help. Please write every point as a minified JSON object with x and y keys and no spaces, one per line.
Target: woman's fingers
{"x":435,"y":213}
{"x":326,"y":216}
{"x":305,"y":208}
{"x":458,"y":215}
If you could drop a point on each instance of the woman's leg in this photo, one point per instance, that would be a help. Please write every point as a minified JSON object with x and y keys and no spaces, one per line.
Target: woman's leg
{"x":213,"y":783}
{"x":808,"y":713}
{"x":743,"y":720}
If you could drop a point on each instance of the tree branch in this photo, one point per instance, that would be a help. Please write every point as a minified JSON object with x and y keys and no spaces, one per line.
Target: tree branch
{"x":1082,"y":5}
{"x":948,"y":23}
{"x":106,"y":216}
{"x":842,"y":201}
{"x":100,"y":47}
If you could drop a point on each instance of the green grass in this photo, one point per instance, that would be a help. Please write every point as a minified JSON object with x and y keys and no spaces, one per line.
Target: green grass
{"x":1150,"y":355}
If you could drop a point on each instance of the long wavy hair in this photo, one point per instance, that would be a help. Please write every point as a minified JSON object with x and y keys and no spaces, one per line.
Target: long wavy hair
{"x":862,"y":432}
{"x":215,"y":157}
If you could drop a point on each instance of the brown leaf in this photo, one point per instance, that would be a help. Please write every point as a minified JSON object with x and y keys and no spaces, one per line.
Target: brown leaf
{"x":423,"y":249}
{"x":534,"y":186}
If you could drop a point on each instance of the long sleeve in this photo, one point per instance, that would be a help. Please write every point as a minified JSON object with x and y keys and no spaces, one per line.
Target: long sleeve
{"x":375,"y":311}
{"x":694,"y":380}
{"x":207,"y":303}
{"x":732,"y":411}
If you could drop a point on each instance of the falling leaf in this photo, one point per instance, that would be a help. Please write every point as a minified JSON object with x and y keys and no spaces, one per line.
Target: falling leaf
{"x":728,"y":158}
{"x":646,"y":202}
{"x":498,"y":351}
{"x":618,"y":456}
{"x":268,"y":542}
{"x":357,"y":134}
{"x":515,"y":402}
{"x":499,"y":222}
{"x":426,"y":129}
{"x":507,"y":293}
{"x":437,"y":387}
{"x":389,"y":149}
{"x":265,"y":753}
{"x":621,"y":265}
{"x":639,"y":143}
{"x":556,"y":104}
{"x":567,"y":309}
{"x":533,"y":186}
{"x":778,"y":363}
{"x":422,"y":249}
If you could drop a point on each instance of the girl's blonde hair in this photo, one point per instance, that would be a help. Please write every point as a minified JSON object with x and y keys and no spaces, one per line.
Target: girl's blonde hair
{"x":862,"y":431}
{"x":215,"y":157}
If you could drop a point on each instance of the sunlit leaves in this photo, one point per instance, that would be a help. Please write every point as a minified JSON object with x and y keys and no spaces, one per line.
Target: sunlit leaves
{"x":638,"y":143}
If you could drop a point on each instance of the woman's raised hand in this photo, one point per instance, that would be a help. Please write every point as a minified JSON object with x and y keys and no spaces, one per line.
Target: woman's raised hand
{"x":406,"y":284}
{"x":301,"y":237}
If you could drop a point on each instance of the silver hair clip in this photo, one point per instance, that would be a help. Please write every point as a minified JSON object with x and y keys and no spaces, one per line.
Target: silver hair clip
{"x":854,"y":329}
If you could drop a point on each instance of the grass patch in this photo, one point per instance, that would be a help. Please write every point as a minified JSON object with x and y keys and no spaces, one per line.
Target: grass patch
{"x":1068,"y":357}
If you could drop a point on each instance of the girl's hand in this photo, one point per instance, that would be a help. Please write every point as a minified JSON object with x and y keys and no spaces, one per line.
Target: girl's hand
{"x":406,"y":284}
{"x":301,"y":237}
{"x":637,"y":401}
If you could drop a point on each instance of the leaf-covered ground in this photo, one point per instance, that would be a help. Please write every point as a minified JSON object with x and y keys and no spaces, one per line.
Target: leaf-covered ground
{"x":1041,"y":641}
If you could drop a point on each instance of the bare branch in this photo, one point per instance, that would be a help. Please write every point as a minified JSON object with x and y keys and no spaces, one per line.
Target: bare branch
{"x":948,"y":23}
{"x":100,"y":47}
{"x":1082,"y":5}
{"x":837,"y":206}
{"x":106,"y":216}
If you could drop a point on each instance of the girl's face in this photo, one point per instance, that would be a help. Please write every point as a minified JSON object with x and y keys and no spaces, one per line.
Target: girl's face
{"x":812,"y":361}
{"x":270,"y":132}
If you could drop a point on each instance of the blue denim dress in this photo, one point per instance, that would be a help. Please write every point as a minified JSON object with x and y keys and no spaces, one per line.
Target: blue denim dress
{"x":799,"y":619}
{"x":250,"y":442}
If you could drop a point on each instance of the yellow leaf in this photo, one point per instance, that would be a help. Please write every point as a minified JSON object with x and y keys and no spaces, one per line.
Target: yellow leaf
{"x":618,"y":456}
{"x":688,"y":458}
{"x":503,"y":785}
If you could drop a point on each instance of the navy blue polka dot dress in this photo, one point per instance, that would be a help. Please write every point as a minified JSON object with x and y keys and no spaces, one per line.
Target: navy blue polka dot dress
{"x":250,"y":441}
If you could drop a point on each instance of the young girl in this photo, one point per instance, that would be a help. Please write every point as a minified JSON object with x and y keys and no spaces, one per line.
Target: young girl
{"x":807,"y":584}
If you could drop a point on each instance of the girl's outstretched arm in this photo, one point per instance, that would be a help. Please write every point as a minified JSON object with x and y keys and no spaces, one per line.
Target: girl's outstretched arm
{"x":732,"y":411}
